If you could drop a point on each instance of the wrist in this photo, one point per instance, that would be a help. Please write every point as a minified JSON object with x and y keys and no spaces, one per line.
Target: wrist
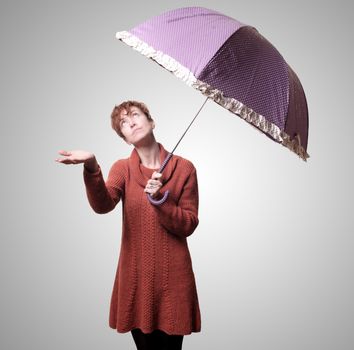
{"x":91,"y":164}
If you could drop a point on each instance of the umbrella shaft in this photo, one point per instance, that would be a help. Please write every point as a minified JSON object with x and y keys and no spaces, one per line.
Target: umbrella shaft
{"x":163,"y":166}
{"x":195,"y":117}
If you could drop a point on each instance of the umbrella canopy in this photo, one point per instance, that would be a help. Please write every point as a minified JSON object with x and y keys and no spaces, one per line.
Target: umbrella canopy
{"x":232,"y":64}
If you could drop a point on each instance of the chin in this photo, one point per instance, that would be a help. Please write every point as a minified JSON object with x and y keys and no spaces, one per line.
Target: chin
{"x":142,"y":140}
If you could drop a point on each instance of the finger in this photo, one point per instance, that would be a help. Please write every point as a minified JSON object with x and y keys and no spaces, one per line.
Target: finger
{"x":152,"y":188}
{"x":64,"y":153}
{"x":152,"y":193}
{"x":60,"y":160}
{"x":65,"y":161}
{"x":154,"y":182}
{"x":156,"y":175}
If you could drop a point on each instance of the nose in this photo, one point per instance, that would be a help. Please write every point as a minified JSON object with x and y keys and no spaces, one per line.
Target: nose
{"x":131,"y":122}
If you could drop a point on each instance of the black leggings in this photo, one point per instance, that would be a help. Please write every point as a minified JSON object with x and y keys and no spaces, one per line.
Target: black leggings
{"x":157,"y":340}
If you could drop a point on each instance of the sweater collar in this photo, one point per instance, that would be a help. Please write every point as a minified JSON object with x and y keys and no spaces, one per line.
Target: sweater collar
{"x":135,"y":170}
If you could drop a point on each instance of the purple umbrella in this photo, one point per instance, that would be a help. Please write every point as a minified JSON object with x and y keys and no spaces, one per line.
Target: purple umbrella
{"x":232,"y":64}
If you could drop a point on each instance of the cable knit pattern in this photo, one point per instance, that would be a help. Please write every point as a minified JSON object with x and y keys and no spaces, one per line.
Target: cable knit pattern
{"x":154,"y":287}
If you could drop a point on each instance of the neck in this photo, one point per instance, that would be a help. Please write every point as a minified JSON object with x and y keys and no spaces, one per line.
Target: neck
{"x":149,"y":154}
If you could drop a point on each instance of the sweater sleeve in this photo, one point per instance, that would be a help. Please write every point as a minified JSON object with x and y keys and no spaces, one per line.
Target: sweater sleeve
{"x":181,"y":218}
{"x":104,"y":196}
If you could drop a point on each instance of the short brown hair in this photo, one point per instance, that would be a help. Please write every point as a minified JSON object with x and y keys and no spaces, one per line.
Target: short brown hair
{"x":126,"y":105}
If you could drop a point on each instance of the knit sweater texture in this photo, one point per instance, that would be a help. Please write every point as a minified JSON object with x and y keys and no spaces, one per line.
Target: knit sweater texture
{"x":154,"y":287}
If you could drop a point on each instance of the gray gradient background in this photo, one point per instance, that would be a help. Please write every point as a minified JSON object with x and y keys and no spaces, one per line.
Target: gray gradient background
{"x":273,"y":252}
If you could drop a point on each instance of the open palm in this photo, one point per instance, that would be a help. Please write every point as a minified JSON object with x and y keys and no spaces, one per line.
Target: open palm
{"x":74,"y":157}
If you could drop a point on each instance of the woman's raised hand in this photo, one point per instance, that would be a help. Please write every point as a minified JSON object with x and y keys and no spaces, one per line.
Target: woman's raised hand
{"x":78,"y":157}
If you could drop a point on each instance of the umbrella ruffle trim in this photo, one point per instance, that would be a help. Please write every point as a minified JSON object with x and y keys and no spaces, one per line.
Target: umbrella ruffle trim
{"x":233,"y":105}
{"x":253,"y":118}
{"x":164,"y":60}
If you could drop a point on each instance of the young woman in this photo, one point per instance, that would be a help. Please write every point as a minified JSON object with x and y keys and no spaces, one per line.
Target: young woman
{"x":154,"y":293}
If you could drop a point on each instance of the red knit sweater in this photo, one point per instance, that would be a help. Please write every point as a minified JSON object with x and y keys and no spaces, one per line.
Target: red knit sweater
{"x":154,"y":286}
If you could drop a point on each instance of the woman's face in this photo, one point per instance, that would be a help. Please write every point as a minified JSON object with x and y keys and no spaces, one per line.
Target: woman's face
{"x":135,"y":126}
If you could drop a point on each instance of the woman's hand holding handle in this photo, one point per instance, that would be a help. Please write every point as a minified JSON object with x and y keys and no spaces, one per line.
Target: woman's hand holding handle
{"x":154,"y":184}
{"x":153,"y":189}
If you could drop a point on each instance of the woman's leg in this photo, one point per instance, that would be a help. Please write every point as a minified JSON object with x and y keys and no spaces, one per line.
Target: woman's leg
{"x":157,"y":340}
{"x":140,"y":339}
{"x":164,"y":341}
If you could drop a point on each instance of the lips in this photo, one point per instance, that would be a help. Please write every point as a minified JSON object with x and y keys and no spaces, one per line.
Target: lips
{"x":135,"y":130}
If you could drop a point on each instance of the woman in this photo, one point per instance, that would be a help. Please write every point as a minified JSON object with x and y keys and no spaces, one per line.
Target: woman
{"x":154,"y":294}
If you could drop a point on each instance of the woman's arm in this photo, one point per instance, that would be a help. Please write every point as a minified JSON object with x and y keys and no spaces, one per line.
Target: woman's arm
{"x":104,"y":196}
{"x":91,"y":165}
{"x":181,"y":218}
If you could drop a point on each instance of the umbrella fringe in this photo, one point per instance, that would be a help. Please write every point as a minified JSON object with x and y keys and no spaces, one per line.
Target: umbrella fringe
{"x":234,"y":106}
{"x":162,"y":59}
{"x":295,"y":145}
{"x":253,"y":118}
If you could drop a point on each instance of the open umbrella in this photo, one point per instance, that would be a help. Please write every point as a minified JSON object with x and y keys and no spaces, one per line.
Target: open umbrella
{"x":232,"y":64}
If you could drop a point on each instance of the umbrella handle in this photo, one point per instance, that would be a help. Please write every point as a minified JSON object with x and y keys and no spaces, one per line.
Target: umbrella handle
{"x":160,"y":201}
{"x":165,"y":195}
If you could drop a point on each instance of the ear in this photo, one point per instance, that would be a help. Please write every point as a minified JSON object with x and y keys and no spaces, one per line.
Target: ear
{"x":153,"y":124}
